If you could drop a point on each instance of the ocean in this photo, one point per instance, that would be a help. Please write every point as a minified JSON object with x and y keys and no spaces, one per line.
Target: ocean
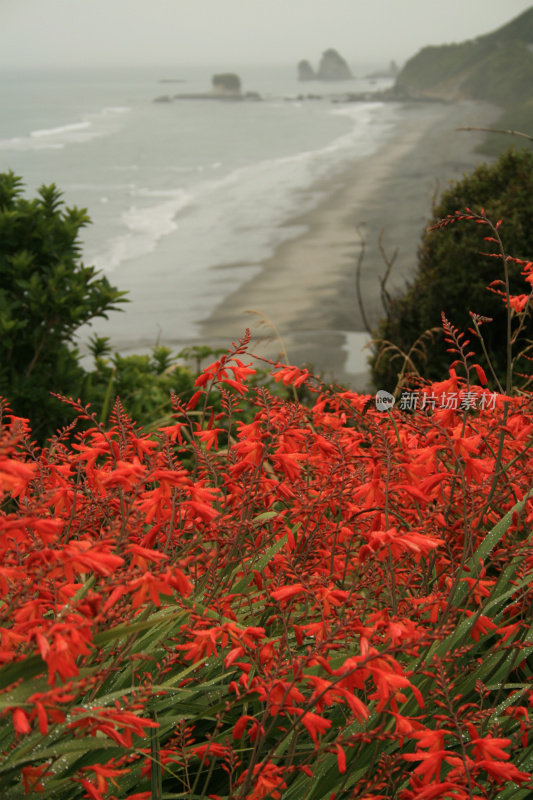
{"x":175,"y":189}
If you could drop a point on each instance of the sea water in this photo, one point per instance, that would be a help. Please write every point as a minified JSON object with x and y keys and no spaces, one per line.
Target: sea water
{"x":175,"y":189}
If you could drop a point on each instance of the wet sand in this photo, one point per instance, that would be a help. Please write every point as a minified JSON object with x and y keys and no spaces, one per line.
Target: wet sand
{"x":307,"y":288}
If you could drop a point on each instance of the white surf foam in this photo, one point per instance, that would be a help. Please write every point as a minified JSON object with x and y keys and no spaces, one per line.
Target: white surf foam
{"x":74,"y":126}
{"x":91,"y":126}
{"x":145,"y":225}
{"x":240,"y":216}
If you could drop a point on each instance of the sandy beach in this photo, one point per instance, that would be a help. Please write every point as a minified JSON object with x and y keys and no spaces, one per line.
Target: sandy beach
{"x":307,"y":288}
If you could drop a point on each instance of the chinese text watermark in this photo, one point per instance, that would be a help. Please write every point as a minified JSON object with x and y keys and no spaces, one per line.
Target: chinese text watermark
{"x":456,"y":401}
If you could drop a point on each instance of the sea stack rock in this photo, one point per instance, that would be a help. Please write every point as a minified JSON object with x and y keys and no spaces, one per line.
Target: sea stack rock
{"x":390,"y":72}
{"x":226,"y":84}
{"x":333,"y":67}
{"x":306,"y":71}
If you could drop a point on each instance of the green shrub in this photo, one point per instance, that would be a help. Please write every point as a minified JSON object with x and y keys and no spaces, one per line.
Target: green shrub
{"x":453,"y":270}
{"x":142,"y":382}
{"x":46,"y":294}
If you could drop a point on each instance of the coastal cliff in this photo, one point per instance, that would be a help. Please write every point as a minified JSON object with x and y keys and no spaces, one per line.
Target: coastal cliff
{"x":496,"y":68}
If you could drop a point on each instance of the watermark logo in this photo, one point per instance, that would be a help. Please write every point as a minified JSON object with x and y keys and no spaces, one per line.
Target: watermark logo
{"x":456,"y":401}
{"x":384,"y":400}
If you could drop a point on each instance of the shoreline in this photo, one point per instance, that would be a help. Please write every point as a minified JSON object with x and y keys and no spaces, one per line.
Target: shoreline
{"x":307,"y":287}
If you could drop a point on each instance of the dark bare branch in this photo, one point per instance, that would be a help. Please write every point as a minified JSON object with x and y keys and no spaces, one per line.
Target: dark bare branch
{"x":359,"y":264}
{"x":389,"y":263}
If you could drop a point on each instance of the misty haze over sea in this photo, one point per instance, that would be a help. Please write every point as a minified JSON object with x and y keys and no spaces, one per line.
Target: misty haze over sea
{"x":177,"y":189}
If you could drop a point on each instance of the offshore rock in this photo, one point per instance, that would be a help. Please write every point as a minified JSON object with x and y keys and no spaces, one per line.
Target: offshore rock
{"x":306,"y":71}
{"x":226,"y":83}
{"x":333,"y":67}
{"x":224,"y":87}
{"x":391,"y":72}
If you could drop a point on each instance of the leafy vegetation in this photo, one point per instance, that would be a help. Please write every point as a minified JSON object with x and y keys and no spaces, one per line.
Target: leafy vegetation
{"x":335,"y":603}
{"x":142,"y":382}
{"x":46,"y":294}
{"x":454,"y":272}
{"x":310,"y":602}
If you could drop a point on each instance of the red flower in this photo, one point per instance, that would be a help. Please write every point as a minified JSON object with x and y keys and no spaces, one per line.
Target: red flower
{"x":32,"y":777}
{"x":518,"y":302}
{"x":210,"y":750}
{"x":102,"y":772}
{"x":288,"y":592}
{"x":503,"y":771}
{"x":292,"y":375}
{"x":315,"y":724}
{"x":341,"y":759}
{"x":267,"y":781}
{"x":431,"y":763}
{"x":20,"y":721}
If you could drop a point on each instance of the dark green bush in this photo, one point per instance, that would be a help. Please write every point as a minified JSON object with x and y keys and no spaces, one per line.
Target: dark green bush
{"x":46,"y":294}
{"x":453,"y":272}
{"x":142,"y":382}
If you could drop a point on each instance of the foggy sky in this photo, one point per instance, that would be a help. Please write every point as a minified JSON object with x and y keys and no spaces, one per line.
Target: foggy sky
{"x":51,"y":33}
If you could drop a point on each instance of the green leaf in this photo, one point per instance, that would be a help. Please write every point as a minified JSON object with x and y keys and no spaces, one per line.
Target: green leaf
{"x":262,"y":561}
{"x":490,"y":541}
{"x":156,"y":780}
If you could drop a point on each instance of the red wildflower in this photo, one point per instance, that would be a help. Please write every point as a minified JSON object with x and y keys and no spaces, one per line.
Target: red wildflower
{"x":268,"y":781}
{"x":341,"y":759}
{"x":210,"y":750}
{"x":314,"y":723}
{"x":503,"y":771}
{"x":32,"y":777}
{"x":20,"y":721}
{"x":101,"y":773}
{"x":518,"y":302}
{"x":292,"y":375}
{"x":14,"y":475}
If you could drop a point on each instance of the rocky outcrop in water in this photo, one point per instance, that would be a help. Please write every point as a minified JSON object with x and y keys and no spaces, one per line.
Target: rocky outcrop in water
{"x":391,"y":72}
{"x":226,"y":83}
{"x":332,"y":67}
{"x":225,"y":86}
{"x":306,"y":71}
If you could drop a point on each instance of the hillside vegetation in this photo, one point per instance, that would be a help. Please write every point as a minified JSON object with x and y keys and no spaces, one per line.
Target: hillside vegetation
{"x":455,"y":267}
{"x":497,"y":68}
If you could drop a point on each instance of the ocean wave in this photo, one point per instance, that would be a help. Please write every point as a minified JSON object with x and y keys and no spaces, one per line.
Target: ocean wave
{"x":74,"y":126}
{"x":279,"y":182}
{"x":145,"y":226}
{"x":25,"y":143}
{"x":240,"y":215}
{"x":92,"y":126}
